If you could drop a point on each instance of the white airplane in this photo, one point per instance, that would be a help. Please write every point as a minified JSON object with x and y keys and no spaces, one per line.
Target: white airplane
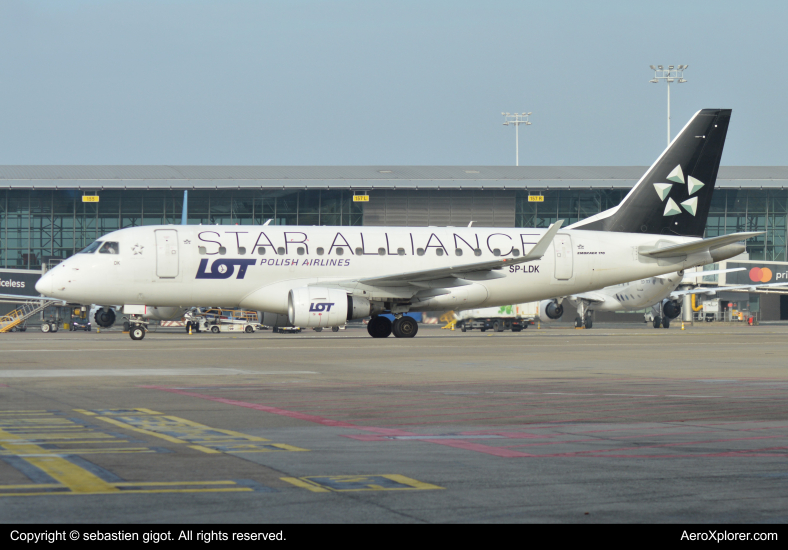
{"x":324,"y":276}
{"x":659,"y":293}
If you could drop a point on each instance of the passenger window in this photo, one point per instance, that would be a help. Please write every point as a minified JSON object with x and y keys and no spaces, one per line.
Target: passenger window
{"x":477,"y":252}
{"x":109,"y":247}
{"x":241,"y":250}
{"x":420,"y":252}
{"x":222,"y":250}
{"x":201,"y":250}
{"x":280,"y":250}
{"x":359,"y":251}
{"x":320,"y":251}
{"x":401,"y":251}
{"x":516,"y":252}
{"x":260,"y":250}
{"x":381,"y":251}
{"x":91,"y":249}
{"x":300,"y":250}
{"x":340,"y":251}
{"x":458,"y":252}
{"x":496,"y":251}
{"x":439,"y":251}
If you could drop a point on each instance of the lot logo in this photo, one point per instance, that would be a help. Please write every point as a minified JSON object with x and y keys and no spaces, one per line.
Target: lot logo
{"x":320,"y":306}
{"x":223,"y":269}
{"x":760,"y":274}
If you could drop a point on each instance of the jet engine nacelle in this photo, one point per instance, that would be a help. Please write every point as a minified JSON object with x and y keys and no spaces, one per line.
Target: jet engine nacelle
{"x":105,"y":317}
{"x":313,"y":306}
{"x":550,"y":310}
{"x":671,"y":308}
{"x":359,"y":307}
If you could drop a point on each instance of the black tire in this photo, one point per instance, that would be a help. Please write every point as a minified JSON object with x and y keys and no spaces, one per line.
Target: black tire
{"x":578,"y":322}
{"x":215,"y":329}
{"x":248,"y":329}
{"x":334,"y":329}
{"x":188,"y":326}
{"x":379,"y":327}
{"x":318,"y":329}
{"x":497,"y":327}
{"x":517,"y":329}
{"x":405,"y":327}
{"x":52,"y":327}
{"x":44,"y":328}
{"x":666,"y":322}
{"x":463,"y":328}
{"x":589,"y":322}
{"x":137,"y":332}
{"x":126,"y":326}
{"x":657,"y":322}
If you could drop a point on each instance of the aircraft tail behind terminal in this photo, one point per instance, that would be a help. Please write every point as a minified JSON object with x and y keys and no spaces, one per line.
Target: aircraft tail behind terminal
{"x":673,"y":197}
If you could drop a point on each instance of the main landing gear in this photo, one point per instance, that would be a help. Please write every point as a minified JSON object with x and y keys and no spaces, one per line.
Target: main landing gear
{"x":583,"y":318}
{"x":402,"y":327}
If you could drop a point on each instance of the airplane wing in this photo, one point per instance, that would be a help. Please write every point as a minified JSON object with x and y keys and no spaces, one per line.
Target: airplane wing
{"x":590,"y":297}
{"x":714,"y":290}
{"x":444,"y":274}
{"x":696,"y":246}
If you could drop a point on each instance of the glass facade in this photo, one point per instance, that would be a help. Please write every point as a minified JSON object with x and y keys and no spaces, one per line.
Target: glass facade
{"x":38,"y":225}
{"x":732,"y":210}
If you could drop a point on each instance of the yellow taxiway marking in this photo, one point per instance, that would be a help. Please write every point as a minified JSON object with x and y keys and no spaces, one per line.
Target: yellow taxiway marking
{"x":339,"y":484}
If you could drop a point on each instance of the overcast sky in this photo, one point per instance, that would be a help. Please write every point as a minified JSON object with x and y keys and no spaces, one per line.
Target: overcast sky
{"x":306,"y":82}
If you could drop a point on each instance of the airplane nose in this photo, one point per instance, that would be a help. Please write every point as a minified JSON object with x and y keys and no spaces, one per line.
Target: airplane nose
{"x":45,"y":284}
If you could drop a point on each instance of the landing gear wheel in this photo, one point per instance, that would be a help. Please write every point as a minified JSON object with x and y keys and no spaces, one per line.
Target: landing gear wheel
{"x":126,"y":326}
{"x":248,"y":329}
{"x":53,"y":327}
{"x":334,"y":329}
{"x":657,"y":321}
{"x":379,"y":327}
{"x":318,"y":329}
{"x":665,"y":322}
{"x":215,"y":329}
{"x":589,"y":322}
{"x":44,"y":327}
{"x":137,"y":332}
{"x":578,"y":322}
{"x":463,"y":328}
{"x":188,"y":326}
{"x":405,"y":327}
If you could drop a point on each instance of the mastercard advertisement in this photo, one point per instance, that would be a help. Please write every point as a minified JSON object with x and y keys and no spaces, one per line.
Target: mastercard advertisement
{"x":757,"y":272}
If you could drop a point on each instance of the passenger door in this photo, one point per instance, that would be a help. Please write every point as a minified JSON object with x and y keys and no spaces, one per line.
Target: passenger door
{"x":167,"y":258}
{"x":563,"y":257}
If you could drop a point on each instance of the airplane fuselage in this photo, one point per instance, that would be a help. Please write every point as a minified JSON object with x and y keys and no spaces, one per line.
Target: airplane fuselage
{"x":256,"y":266}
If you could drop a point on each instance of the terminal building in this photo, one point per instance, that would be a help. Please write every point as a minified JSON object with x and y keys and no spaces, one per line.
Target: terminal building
{"x":48,"y":213}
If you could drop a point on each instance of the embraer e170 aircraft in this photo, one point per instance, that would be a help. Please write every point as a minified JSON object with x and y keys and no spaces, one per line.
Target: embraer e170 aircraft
{"x":324,"y":276}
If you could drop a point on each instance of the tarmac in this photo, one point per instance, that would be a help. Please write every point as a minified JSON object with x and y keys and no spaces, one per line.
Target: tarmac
{"x":617,"y":424}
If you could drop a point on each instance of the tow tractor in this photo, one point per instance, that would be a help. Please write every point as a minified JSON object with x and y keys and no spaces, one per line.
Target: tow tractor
{"x":222,"y":320}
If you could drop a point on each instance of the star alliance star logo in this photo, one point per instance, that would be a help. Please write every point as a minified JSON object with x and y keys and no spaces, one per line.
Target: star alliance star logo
{"x":137,"y":249}
{"x":663,"y":190}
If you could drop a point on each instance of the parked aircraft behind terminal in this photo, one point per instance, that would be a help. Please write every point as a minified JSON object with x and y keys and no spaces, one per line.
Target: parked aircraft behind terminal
{"x":658,"y":293}
{"x":323,"y":276}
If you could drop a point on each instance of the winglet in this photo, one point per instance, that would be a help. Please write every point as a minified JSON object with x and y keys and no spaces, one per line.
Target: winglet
{"x":541,"y":247}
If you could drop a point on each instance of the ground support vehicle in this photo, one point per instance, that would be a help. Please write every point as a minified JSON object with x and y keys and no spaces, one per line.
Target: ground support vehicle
{"x":222,"y":320}
{"x":515,"y":318}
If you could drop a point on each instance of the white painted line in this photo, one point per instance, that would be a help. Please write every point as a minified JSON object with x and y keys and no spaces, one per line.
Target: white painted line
{"x":70,"y":373}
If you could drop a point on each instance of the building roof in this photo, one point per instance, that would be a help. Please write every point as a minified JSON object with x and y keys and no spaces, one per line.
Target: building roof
{"x":360,"y":177}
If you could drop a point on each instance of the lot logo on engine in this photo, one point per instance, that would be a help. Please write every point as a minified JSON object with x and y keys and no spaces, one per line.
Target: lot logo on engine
{"x":223,"y":269}
{"x":320,"y":306}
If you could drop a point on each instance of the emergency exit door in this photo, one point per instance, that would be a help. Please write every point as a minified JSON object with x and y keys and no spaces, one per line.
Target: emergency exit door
{"x":167,"y":253}
{"x":563,"y":256}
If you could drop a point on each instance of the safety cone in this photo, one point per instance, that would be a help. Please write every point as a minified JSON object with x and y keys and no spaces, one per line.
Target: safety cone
{"x":190,"y":329}
{"x":98,"y":330}
{"x":682,"y":325}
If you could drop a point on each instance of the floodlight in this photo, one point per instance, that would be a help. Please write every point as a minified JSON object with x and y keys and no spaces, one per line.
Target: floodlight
{"x":653,"y":68}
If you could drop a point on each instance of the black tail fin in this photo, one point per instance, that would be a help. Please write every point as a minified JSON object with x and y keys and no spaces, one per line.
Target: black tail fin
{"x":674,"y":195}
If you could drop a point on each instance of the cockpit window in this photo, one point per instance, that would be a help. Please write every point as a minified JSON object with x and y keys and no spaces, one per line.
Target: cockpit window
{"x":91,"y":249}
{"x":109,"y":248}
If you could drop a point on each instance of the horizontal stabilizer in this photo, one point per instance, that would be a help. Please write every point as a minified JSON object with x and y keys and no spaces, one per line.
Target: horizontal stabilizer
{"x":696,"y":246}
